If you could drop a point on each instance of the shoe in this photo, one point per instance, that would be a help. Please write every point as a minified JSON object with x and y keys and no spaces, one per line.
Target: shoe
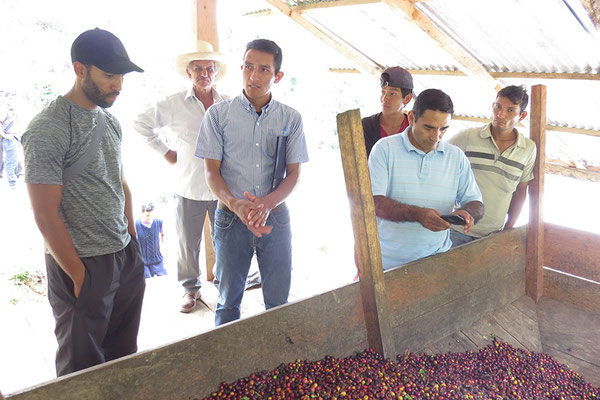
{"x":189,"y":302}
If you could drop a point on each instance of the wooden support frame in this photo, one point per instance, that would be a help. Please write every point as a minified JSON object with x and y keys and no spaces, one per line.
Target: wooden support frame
{"x":364,"y":62}
{"x":453,"y":289}
{"x":571,"y":172}
{"x":535,"y":234}
{"x":206,"y":29}
{"x":366,"y":238}
{"x":206,"y":22}
{"x":493,"y":74}
{"x":465,"y":62}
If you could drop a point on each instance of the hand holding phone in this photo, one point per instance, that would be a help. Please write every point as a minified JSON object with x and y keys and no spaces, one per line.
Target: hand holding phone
{"x":454,"y":219}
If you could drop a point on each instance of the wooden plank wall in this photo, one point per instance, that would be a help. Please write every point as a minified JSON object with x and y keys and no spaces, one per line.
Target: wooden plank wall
{"x":434,"y":297}
{"x":428,"y":299}
{"x":331,"y":323}
{"x":581,"y":293}
{"x":572,"y":251}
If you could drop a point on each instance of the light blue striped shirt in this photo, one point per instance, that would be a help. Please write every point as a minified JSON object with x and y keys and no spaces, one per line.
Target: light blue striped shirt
{"x":435,"y":180}
{"x":245,"y":142}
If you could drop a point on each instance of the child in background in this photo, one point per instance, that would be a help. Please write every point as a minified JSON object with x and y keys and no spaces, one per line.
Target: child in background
{"x":150,"y":235}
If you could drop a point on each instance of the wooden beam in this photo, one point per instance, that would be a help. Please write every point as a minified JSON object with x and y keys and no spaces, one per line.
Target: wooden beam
{"x":206,"y":22}
{"x":554,"y":128}
{"x":331,"y":4}
{"x":572,"y":251}
{"x":312,"y":6}
{"x":363,"y":62}
{"x":535,"y":233}
{"x":593,"y":9}
{"x":496,"y":75}
{"x":366,"y":238}
{"x":590,"y":132}
{"x":546,"y":75}
{"x":571,"y":172}
{"x":206,"y":29}
{"x":465,"y":61}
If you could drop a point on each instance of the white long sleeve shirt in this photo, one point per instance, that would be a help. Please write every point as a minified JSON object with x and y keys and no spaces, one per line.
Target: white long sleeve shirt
{"x":179,"y":116}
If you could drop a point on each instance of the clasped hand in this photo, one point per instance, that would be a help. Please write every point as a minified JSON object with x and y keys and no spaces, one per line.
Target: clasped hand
{"x":253,"y":212}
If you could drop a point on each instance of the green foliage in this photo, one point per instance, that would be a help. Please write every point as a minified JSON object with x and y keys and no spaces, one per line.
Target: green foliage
{"x":20,"y":279}
{"x":14,"y":301}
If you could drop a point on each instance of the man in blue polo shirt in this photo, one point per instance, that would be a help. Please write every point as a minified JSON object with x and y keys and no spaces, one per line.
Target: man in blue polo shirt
{"x":415,"y":178}
{"x":242,"y":141}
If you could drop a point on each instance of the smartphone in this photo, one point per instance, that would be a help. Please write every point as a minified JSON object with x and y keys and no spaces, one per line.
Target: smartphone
{"x":454,"y":219}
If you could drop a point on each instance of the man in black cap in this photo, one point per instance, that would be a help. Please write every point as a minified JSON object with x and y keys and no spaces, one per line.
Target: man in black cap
{"x":82,"y":206}
{"x":396,"y":93}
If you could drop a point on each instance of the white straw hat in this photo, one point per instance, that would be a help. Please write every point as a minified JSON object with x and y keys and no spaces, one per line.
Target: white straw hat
{"x":204,"y":51}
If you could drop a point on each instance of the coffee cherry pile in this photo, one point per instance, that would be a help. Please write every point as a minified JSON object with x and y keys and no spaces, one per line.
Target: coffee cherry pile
{"x":498,"y":371}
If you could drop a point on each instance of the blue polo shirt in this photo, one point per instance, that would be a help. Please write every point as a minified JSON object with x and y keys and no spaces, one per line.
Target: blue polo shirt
{"x":435,"y":180}
{"x":246,"y":142}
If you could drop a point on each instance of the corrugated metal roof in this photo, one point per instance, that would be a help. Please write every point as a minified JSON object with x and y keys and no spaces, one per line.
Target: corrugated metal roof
{"x":514,"y":35}
{"x":544,"y":36}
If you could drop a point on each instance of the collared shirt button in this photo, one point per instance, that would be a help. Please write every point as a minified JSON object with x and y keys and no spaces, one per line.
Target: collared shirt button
{"x":257,"y":144}
{"x":258,"y":123}
{"x":257,"y":165}
{"x":257,"y":186}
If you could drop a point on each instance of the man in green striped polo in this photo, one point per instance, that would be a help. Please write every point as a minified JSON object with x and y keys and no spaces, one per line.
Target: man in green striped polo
{"x":502,"y":161}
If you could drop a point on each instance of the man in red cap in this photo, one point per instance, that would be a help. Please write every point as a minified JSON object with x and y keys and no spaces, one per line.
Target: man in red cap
{"x":82,"y":206}
{"x":396,"y":93}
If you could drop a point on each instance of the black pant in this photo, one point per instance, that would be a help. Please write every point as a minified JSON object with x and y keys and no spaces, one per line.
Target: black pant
{"x":102,"y":324}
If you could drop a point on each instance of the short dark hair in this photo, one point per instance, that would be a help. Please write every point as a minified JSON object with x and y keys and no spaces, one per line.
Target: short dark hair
{"x":516,"y":94}
{"x":268,"y":46}
{"x":432,"y":99}
{"x":147,"y":207}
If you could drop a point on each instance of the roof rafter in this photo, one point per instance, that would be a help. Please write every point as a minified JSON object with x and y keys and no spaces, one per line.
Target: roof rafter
{"x":549,"y":127}
{"x":497,"y":75}
{"x":465,"y":62}
{"x":363,"y":62}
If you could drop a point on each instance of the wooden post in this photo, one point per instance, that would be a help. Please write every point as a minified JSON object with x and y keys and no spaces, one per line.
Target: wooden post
{"x":206,"y":29}
{"x":534,"y":285}
{"x":206,"y":22}
{"x":209,"y":249}
{"x":366,"y":238}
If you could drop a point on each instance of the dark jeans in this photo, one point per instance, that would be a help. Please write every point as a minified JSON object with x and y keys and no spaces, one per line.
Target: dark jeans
{"x":102,"y":324}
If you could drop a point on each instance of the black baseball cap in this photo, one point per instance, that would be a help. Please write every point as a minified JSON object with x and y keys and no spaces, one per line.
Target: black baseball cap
{"x":397,"y":77}
{"x":104,"y":50}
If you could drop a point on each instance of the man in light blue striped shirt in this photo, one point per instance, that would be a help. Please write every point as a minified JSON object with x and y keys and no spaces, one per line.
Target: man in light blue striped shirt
{"x":243,"y":141}
{"x":416,"y":178}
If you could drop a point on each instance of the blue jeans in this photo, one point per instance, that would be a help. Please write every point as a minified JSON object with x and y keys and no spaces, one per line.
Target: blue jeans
{"x":235,"y":246}
{"x":459,"y":238}
{"x":9,"y":147}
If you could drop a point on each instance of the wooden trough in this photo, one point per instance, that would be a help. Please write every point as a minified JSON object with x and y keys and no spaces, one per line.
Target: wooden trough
{"x":413,"y":307}
{"x":428,"y":299}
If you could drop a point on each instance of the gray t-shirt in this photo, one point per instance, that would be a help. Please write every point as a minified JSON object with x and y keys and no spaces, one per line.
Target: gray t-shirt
{"x":93,"y":202}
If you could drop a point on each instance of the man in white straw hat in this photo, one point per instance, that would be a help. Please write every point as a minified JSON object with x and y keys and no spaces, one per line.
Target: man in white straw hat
{"x":182,"y":112}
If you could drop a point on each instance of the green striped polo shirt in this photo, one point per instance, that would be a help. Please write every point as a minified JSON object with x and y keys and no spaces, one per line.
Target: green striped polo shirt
{"x":497,"y":174}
